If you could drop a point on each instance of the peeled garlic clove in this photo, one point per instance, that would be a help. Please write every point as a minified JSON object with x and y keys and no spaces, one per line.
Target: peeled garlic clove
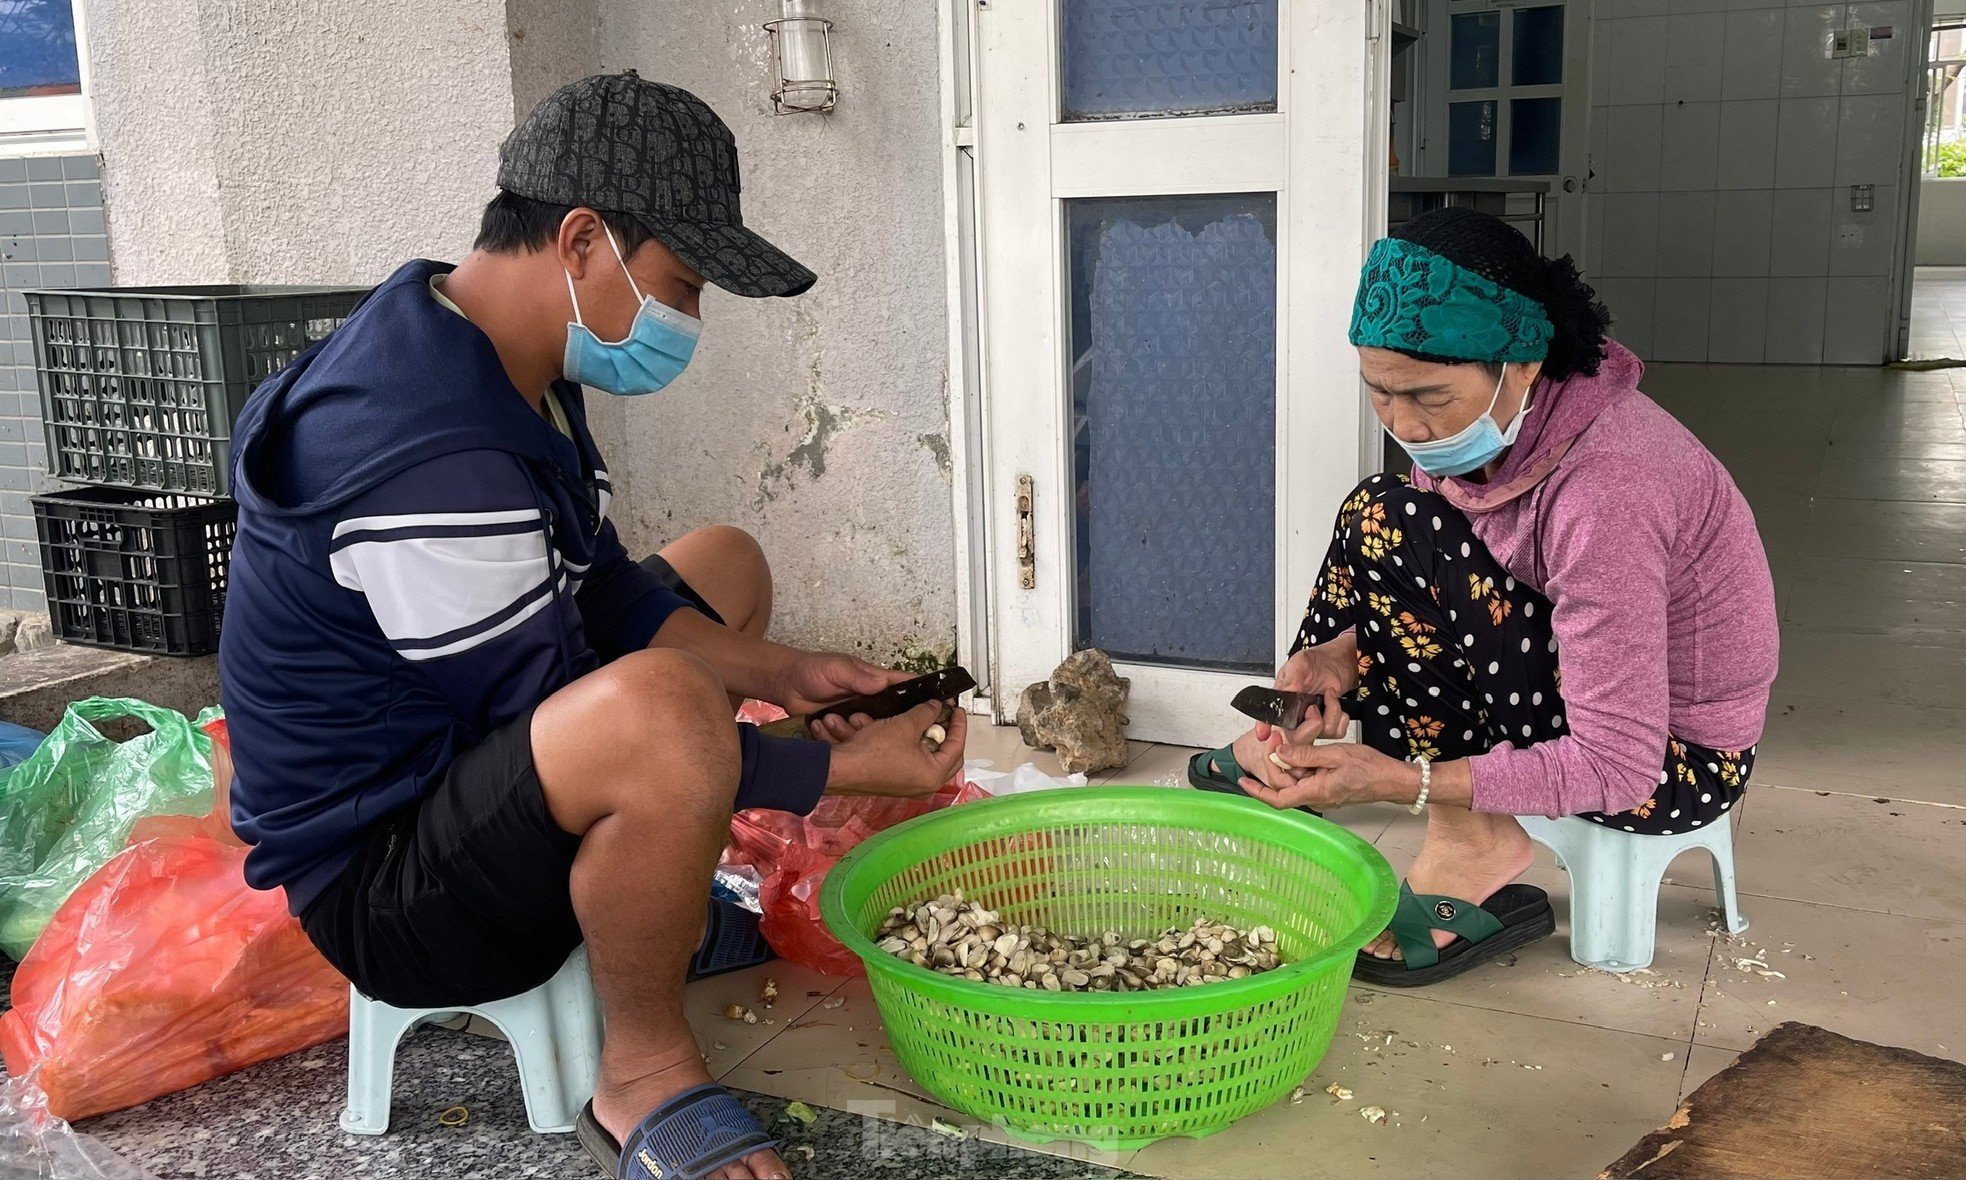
{"x":936,"y":735}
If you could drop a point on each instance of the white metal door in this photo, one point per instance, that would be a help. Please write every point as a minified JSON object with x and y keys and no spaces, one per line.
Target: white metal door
{"x":1171,"y":225}
{"x":1508,"y":84}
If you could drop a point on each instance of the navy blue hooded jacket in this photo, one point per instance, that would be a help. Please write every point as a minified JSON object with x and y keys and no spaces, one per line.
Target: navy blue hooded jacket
{"x":421,"y":558}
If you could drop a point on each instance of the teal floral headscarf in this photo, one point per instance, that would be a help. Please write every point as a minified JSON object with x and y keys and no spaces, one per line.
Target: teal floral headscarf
{"x":1414,"y":300}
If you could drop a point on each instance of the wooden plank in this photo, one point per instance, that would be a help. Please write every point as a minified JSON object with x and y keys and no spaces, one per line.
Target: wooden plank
{"x":1806,"y":1103}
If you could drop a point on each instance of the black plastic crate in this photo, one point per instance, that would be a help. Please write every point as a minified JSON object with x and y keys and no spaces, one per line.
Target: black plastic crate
{"x":140,"y":386}
{"x":731,"y":941}
{"x":135,"y":570}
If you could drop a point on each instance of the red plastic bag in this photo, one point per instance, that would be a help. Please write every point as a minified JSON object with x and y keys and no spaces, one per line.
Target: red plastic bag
{"x":791,"y":855}
{"x":164,"y":970}
{"x":789,"y":893}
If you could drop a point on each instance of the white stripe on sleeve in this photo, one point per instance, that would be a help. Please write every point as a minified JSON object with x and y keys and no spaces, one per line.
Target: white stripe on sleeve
{"x":460,"y":590}
{"x":485,"y":636}
{"x":411,"y":520}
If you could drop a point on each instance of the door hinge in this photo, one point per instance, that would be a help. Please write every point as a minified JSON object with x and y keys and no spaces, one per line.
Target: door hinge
{"x":1027,"y":543}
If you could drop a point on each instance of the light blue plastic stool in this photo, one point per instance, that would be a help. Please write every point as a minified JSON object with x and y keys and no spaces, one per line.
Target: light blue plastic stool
{"x":554,"y":1029}
{"x":1614,"y":883}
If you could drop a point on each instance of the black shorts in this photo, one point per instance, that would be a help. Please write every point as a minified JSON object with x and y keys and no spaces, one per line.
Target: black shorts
{"x":464,"y":898}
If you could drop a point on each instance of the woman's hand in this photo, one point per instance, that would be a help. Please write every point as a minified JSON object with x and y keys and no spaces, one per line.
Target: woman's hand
{"x":1331,"y":671}
{"x":1259,"y":772}
{"x":1323,"y":777}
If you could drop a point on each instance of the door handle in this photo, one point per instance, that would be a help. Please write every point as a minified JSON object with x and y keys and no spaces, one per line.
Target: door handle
{"x":1570,"y":184}
{"x":1027,"y":540}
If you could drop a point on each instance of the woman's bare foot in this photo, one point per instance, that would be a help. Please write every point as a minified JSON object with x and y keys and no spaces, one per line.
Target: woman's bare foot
{"x":1469,"y":855}
{"x":619,"y":1105}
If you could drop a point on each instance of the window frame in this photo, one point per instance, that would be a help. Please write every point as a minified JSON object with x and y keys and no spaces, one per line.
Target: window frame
{"x":52,"y":124}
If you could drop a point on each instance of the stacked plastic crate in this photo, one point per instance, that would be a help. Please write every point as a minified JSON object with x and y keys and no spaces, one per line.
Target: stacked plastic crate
{"x":139,"y":390}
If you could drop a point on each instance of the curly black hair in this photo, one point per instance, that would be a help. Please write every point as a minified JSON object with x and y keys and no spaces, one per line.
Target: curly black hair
{"x":1497,"y":251}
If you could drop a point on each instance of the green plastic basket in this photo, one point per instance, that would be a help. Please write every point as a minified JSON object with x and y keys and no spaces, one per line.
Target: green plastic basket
{"x":1120,"y":1070}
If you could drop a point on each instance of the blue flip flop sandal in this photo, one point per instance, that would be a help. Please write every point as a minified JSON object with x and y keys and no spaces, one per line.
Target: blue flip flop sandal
{"x":686,"y":1138}
{"x":1218,"y":770}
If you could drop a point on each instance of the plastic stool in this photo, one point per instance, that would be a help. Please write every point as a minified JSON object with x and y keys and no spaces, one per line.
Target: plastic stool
{"x":555,"y":1031}
{"x":1614,"y":884}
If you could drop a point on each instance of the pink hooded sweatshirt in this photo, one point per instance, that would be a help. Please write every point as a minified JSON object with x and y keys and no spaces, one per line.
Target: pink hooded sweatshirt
{"x":1664,"y":611}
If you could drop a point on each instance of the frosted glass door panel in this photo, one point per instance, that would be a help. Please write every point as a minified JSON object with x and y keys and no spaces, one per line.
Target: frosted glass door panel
{"x":1173,"y":393}
{"x":1131,"y":58}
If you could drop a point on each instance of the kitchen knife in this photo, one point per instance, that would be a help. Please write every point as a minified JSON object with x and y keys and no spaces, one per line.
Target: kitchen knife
{"x":1285,"y":709}
{"x":946,"y":685}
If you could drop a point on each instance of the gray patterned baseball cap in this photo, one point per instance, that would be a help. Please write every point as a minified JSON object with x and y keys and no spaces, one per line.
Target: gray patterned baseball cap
{"x":658,"y":154}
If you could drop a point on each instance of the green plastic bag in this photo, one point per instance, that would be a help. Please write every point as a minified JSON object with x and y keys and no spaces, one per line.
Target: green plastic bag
{"x":70,"y":807}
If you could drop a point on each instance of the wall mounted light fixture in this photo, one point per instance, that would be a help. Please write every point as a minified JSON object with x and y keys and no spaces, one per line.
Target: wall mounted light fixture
{"x":801,"y":60}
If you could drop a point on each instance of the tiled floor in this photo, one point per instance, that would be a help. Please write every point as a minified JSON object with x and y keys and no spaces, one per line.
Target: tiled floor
{"x":1852,"y":862}
{"x":1938,"y":312}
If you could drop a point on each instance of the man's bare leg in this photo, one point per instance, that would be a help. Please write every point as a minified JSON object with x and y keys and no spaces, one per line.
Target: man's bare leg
{"x":727,"y":567}
{"x":640,"y":760}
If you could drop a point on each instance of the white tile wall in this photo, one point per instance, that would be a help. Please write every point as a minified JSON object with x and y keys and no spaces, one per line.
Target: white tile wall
{"x":1680,"y":319}
{"x":1886,"y":69}
{"x":1752,"y":59}
{"x":1737,"y":328}
{"x":1689,"y":146}
{"x":1686,"y":234}
{"x":1594,"y":227}
{"x":1854,"y":326}
{"x":1747,"y":144}
{"x":1743,"y":223}
{"x":1869,"y":144}
{"x":1807,"y":70}
{"x":1633,"y":143}
{"x":1630,"y":302}
{"x":1631,"y":235}
{"x":1795,"y":321}
{"x":1635,"y":51}
{"x":1603,"y":54}
{"x":1861,"y":243}
{"x":1695,"y":42}
{"x":1724,"y":142}
{"x":1799,"y":242}
{"x":1805,"y":155}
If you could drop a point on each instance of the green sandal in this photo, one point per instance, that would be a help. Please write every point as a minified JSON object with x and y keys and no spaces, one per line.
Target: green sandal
{"x":1515,"y":916}
{"x":1218,"y":770}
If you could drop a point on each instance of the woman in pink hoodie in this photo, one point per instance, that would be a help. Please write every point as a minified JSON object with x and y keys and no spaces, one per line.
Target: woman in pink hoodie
{"x":1565,"y":610}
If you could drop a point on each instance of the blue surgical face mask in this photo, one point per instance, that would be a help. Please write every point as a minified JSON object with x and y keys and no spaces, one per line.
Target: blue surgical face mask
{"x":1476,"y":446}
{"x":655,"y":351}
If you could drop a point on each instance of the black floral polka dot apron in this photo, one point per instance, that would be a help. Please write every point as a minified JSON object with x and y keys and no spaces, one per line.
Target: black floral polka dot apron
{"x":1456,"y":656}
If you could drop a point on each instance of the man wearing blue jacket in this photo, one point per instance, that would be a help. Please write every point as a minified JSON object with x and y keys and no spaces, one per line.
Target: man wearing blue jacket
{"x":469,"y":732}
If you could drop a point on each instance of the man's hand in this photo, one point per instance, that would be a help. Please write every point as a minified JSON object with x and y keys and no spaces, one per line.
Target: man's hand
{"x":1330,"y":670}
{"x":811,"y":680}
{"x":1334,"y":775}
{"x":895,"y":758}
